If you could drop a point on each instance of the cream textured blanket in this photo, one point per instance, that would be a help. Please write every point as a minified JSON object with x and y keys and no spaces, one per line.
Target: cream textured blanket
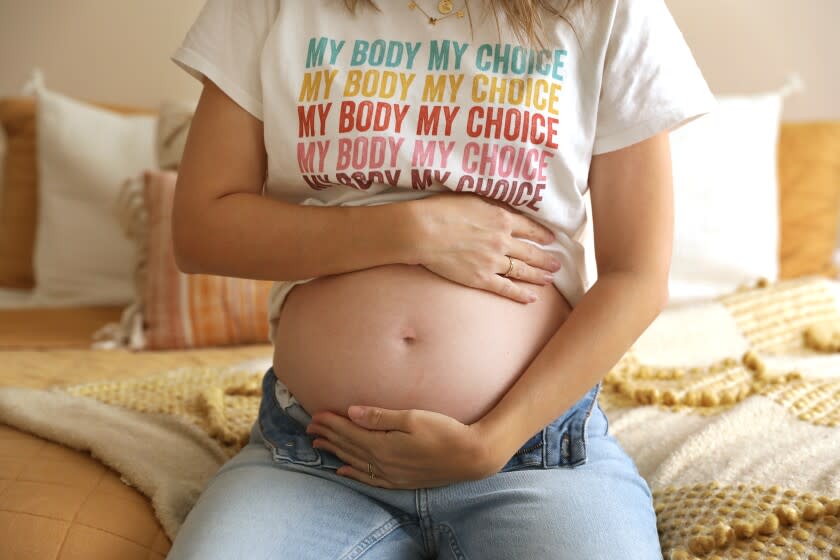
{"x":730,"y":409}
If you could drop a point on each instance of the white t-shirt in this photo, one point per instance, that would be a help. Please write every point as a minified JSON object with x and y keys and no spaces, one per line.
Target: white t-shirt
{"x":385,"y":107}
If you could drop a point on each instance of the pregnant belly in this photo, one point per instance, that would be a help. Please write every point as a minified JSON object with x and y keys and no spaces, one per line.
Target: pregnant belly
{"x":399,"y":336}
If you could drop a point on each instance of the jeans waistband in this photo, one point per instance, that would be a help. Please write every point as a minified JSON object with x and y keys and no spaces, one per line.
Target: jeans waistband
{"x":562,"y":443}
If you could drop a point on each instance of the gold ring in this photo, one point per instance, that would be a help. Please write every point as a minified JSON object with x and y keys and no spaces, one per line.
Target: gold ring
{"x":370,"y":470}
{"x":510,"y":266}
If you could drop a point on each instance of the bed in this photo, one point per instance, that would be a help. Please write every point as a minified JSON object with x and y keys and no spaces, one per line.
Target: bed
{"x":728,"y":404}
{"x":720,"y":426}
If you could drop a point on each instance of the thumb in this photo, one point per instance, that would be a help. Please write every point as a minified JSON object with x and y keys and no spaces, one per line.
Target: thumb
{"x":375,"y":418}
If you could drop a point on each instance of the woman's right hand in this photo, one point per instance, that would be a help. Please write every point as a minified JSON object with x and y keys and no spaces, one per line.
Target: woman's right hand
{"x":467,"y":238}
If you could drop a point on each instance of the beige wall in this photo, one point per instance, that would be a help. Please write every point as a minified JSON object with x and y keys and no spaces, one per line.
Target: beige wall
{"x":750,"y":45}
{"x":115,"y":51}
{"x":118,"y":51}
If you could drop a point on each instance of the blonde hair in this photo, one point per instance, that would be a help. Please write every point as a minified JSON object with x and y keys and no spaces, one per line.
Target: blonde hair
{"x":526,"y":16}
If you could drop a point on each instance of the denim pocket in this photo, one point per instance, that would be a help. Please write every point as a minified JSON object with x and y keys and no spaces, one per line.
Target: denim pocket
{"x":284,"y":435}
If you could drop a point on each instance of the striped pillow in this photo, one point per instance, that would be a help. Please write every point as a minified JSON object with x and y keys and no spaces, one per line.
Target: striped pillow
{"x":192,"y":310}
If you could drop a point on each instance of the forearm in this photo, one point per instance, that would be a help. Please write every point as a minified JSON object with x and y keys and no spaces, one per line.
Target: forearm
{"x":600,"y":329}
{"x":250,"y":236}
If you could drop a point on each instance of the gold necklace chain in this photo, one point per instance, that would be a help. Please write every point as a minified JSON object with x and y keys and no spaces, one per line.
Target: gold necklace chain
{"x":444,"y":6}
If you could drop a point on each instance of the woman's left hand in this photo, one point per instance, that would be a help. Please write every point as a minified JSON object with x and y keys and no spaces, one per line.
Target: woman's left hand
{"x":407,"y":449}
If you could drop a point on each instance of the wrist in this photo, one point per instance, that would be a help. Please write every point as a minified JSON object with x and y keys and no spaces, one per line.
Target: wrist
{"x":494,"y":449}
{"x":387,"y":232}
{"x":410,"y":227}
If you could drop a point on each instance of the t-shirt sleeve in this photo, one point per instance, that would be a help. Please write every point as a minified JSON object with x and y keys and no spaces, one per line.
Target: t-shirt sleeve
{"x":225,"y":43}
{"x":651,"y":81}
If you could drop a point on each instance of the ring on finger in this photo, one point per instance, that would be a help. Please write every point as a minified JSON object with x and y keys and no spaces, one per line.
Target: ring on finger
{"x":510,"y":266}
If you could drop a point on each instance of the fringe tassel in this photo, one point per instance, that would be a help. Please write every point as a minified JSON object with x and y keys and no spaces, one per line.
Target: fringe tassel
{"x":130,"y":211}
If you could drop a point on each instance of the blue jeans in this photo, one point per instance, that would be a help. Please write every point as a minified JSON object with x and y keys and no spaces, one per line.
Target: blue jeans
{"x":570,"y":492}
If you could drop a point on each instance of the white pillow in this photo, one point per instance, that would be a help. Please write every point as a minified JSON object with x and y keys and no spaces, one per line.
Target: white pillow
{"x":81,"y":256}
{"x":726,"y":209}
{"x":726,"y":202}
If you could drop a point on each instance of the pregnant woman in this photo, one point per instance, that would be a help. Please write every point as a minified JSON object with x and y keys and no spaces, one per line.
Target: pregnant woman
{"x":411,"y":175}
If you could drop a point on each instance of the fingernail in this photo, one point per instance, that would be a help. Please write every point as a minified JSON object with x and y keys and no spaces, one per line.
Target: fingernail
{"x":532,"y":296}
{"x":548,"y":278}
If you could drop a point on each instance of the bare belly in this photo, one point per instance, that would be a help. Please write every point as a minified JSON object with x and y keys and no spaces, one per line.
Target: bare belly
{"x":399,"y":336}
